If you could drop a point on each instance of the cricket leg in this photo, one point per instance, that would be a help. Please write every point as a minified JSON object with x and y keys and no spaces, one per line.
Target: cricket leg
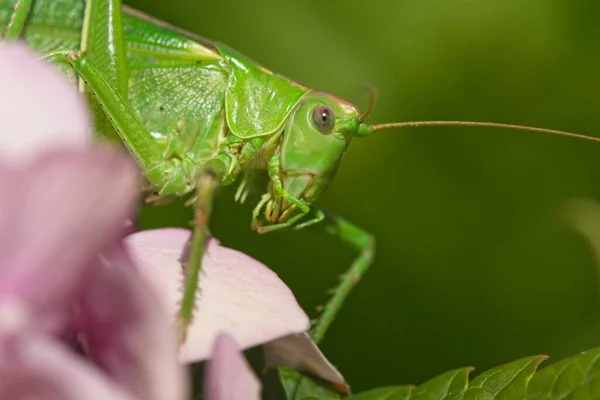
{"x":360,"y":240}
{"x":349,"y":233}
{"x":207,"y":184}
{"x":17,"y":20}
{"x":299,"y":207}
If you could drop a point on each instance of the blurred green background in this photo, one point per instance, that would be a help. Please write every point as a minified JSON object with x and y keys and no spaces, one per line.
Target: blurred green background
{"x":477,"y":262}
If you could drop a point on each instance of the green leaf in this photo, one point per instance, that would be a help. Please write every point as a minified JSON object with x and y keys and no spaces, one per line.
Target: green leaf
{"x":444,"y":385}
{"x":386,"y":393}
{"x":577,"y":377}
{"x":438,"y":388}
{"x":574,"y":378}
{"x":298,"y":386}
{"x":506,"y":382}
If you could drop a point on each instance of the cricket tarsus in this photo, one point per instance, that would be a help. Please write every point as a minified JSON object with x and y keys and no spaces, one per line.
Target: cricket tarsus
{"x":195,"y":115}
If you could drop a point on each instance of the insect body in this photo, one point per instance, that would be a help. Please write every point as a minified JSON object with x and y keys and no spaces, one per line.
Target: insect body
{"x":196,"y":114}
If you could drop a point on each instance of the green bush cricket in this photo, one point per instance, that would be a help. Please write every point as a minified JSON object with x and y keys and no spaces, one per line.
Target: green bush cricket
{"x":196,"y":114}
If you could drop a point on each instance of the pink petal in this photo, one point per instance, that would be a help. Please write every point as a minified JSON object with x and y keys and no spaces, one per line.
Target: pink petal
{"x":239,"y":295}
{"x":60,"y":212}
{"x":7,"y":203}
{"x":39,"y":108}
{"x":298,"y":351}
{"x":128,"y":333}
{"x":44,"y":369}
{"x":228,"y":375}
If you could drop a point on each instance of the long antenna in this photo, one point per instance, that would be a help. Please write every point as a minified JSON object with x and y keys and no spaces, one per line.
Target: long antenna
{"x":480,"y":124}
{"x":365,"y":114}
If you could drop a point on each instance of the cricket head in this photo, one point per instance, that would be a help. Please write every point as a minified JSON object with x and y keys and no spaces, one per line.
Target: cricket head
{"x":314,"y":141}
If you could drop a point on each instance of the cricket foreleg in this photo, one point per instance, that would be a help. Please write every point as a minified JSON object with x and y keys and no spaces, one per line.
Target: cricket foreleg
{"x":299,"y":207}
{"x":17,"y":20}
{"x":362,"y":241}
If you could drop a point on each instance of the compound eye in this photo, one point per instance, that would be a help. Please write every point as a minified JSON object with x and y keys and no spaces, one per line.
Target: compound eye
{"x":324,"y":118}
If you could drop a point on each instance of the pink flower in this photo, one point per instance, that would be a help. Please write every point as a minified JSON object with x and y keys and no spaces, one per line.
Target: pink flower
{"x":63,"y":269}
{"x":238,"y":296}
{"x":228,"y":376}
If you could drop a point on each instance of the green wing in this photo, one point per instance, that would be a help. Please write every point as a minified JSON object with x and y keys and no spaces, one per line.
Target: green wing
{"x":257,"y":101}
{"x":176,"y":83}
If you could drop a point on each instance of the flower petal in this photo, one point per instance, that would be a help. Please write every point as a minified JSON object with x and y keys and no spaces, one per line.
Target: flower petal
{"x":40,"y":108}
{"x":128,"y":333}
{"x":44,"y":369}
{"x":238,"y":295}
{"x":300,"y":352}
{"x":63,"y":209}
{"x":228,"y":375}
{"x":7,"y":203}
